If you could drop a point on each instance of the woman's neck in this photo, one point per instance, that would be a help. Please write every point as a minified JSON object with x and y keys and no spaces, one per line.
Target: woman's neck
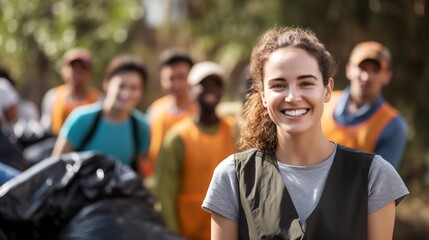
{"x":303,"y":149}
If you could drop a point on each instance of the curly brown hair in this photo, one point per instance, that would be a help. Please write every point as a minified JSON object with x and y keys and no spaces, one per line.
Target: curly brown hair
{"x":257,"y":130}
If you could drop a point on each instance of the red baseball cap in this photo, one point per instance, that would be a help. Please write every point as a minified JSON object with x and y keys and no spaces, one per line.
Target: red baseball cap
{"x":78,"y":54}
{"x":371,"y":50}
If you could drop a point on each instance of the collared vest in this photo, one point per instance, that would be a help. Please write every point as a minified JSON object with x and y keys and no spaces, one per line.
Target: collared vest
{"x":267,"y":212}
{"x":161,"y":120}
{"x":363,"y":136}
{"x":203,"y":152}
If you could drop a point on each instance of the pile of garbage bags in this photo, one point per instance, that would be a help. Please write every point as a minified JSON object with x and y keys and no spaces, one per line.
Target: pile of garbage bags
{"x":84,"y":195}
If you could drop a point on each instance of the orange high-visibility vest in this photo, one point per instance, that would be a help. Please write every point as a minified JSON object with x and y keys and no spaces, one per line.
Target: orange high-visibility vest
{"x":62,"y":107}
{"x":362,"y":136}
{"x":161,"y":119}
{"x":203,"y":152}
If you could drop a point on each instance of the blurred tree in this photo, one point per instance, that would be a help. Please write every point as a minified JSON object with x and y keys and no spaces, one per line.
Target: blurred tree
{"x":35,"y":34}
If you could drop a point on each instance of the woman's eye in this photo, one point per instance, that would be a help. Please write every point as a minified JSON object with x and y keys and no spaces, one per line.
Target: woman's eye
{"x":278,"y":86}
{"x":305,"y":84}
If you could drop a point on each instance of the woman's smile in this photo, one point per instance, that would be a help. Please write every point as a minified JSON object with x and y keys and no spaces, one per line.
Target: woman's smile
{"x":295,"y":112}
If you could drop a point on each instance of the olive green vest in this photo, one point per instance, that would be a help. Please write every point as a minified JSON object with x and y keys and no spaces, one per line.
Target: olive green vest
{"x":267,"y":210}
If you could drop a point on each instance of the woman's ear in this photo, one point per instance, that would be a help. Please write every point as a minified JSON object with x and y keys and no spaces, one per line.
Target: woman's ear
{"x":328,"y":90}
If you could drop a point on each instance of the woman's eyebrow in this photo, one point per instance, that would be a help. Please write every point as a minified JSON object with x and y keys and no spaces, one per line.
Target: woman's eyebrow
{"x":306,"y":76}
{"x":301,"y":77}
{"x":276,"y":79}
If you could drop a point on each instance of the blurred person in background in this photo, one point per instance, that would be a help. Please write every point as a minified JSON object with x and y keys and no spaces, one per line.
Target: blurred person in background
{"x":176,"y":105}
{"x":27,"y":111}
{"x":9,"y":101}
{"x":190,"y":151}
{"x":359,"y":117}
{"x":114,"y":126}
{"x":11,"y":160}
{"x":59,"y":102}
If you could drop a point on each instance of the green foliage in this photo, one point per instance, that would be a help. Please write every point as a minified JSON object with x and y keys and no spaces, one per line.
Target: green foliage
{"x":36,"y":33}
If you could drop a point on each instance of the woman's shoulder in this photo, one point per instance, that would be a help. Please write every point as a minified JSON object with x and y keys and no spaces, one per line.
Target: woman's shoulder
{"x":229,"y":164}
{"x":383,"y":173}
{"x":379,"y":165}
{"x":385,"y":184}
{"x":226,"y":166}
{"x":244,"y":155}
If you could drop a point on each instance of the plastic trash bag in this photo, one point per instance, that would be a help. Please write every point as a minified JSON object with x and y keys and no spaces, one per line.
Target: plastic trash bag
{"x":6,"y":173}
{"x":10,"y":153}
{"x":116,"y":219}
{"x":39,"y":202}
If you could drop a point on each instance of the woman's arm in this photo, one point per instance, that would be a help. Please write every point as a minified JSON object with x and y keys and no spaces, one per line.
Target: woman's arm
{"x":61,"y":146}
{"x":223,"y":228}
{"x":381,"y":223}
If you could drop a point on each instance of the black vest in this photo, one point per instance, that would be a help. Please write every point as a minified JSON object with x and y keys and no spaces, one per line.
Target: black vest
{"x":267,"y":211}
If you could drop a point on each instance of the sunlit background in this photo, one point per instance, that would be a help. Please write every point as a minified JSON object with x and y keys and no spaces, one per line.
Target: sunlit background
{"x":35,"y":34}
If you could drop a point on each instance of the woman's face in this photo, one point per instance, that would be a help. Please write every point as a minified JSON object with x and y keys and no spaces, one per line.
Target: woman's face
{"x":124,"y":90}
{"x":293,"y":92}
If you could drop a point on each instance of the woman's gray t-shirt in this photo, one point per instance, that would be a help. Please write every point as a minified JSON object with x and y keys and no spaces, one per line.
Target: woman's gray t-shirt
{"x":305,"y":185}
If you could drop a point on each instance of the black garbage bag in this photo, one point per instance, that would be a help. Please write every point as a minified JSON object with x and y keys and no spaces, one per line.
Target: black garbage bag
{"x":3,"y":236}
{"x":116,"y":219}
{"x":11,"y":153}
{"x":37,"y":203}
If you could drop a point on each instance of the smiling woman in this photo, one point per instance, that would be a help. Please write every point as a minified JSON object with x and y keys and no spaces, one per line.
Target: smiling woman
{"x":92,"y":127}
{"x":291,"y":182}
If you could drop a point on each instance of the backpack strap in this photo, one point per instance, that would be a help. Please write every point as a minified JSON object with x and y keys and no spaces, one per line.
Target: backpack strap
{"x":136,"y":138}
{"x":134,"y":132}
{"x":91,"y":131}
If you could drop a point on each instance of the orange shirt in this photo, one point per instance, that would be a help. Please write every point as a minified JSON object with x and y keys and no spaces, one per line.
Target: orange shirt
{"x":62,"y":106}
{"x":203,"y":152}
{"x":161,"y":118}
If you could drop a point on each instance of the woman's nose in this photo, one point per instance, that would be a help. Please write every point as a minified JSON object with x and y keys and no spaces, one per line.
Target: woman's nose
{"x":292,"y":95}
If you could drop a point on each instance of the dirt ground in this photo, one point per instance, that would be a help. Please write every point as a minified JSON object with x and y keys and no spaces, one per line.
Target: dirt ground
{"x":412,"y":218}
